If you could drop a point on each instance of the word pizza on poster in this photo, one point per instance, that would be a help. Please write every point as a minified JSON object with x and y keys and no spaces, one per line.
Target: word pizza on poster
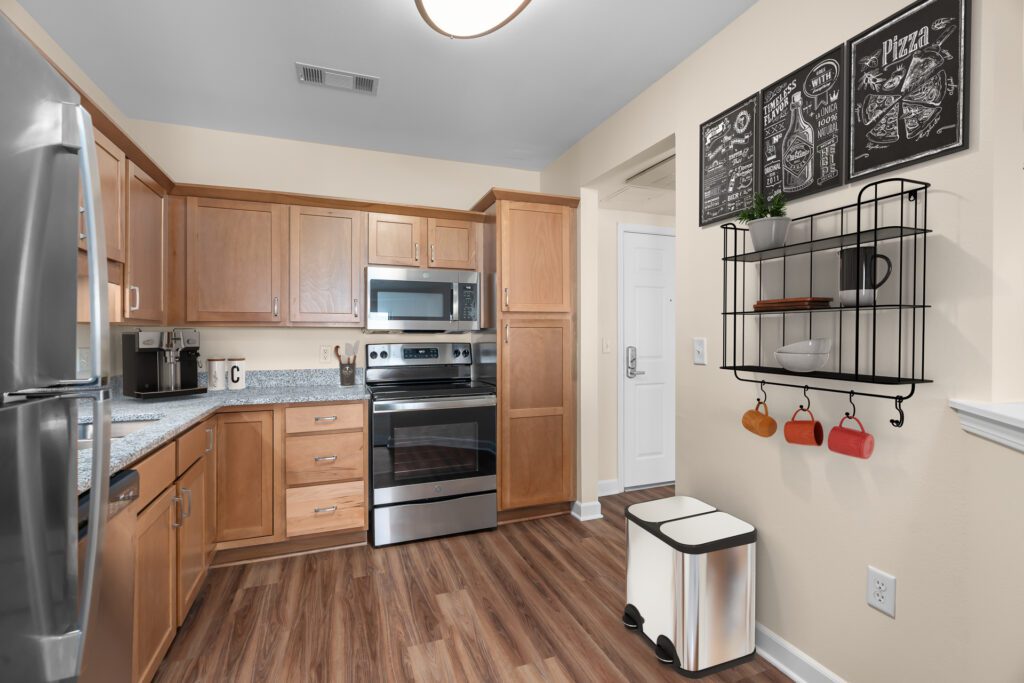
{"x":803,"y":129}
{"x":909,"y":87}
{"x":727,"y":158}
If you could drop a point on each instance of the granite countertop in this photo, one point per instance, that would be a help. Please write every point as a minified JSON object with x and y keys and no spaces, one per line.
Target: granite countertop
{"x":173,"y":417}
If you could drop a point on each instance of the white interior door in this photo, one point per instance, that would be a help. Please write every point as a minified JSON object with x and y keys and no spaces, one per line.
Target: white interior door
{"x":648,"y":364}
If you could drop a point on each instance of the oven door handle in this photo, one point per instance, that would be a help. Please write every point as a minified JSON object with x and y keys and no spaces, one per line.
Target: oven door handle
{"x":406,"y":405}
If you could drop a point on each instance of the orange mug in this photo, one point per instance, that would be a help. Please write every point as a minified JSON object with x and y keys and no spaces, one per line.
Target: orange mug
{"x":846,"y":441}
{"x":759,"y":423}
{"x":804,"y":432}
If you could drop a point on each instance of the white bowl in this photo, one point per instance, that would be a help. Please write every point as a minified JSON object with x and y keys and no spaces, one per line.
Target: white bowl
{"x":805,"y":356}
{"x":768,"y":233}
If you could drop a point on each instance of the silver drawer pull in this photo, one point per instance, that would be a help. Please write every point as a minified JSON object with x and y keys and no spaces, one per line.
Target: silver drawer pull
{"x":326,"y":418}
{"x":329,"y":508}
{"x":325,"y":458}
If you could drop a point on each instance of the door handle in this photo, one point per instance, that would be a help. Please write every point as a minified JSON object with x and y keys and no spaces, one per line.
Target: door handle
{"x":631,"y":371}
{"x":432,"y":252}
{"x":178,"y":517}
{"x":506,"y":298}
{"x":136,"y":298}
{"x":355,"y":307}
{"x":417,"y":252}
{"x":329,"y":508}
{"x":324,"y":458}
{"x":506,"y":333}
{"x":277,"y":306}
{"x":325,"y":418}
{"x":209,"y":440}
{"x":188,"y":507}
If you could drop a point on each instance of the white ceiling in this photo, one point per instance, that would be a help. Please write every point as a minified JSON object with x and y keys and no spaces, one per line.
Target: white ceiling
{"x":518,"y":97}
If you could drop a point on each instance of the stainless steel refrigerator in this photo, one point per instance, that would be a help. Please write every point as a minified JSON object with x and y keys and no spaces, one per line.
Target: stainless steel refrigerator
{"x":46,"y":150}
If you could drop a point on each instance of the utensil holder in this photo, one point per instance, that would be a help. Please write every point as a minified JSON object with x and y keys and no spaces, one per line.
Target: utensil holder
{"x":348,"y":374}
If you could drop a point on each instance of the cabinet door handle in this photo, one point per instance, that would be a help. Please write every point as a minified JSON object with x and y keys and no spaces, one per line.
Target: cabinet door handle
{"x":432,"y":253}
{"x":277,"y":306}
{"x":209,"y":440}
{"x":136,"y":298}
{"x":188,"y":507}
{"x":355,"y":307}
{"x":325,"y":458}
{"x":329,"y":508}
{"x":506,"y":298}
{"x":417,"y":252}
{"x":325,"y":418}
{"x":506,"y":333}
{"x":177,"y":512}
{"x":81,"y":235}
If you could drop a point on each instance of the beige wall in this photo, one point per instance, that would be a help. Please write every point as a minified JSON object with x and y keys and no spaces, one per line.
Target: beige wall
{"x":938,"y":508}
{"x":608,"y":328}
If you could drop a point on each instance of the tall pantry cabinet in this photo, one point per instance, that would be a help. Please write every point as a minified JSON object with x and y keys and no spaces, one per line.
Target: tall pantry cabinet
{"x":534,"y":255}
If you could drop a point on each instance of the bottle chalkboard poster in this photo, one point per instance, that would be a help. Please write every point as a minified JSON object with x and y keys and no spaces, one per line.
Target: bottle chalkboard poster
{"x":909,"y":87}
{"x":728,"y":154}
{"x":803,"y":129}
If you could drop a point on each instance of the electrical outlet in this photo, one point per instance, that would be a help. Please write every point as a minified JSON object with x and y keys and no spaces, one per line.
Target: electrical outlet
{"x":882,"y":591}
{"x":84,"y":361}
{"x":325,"y":354}
{"x":700,"y":351}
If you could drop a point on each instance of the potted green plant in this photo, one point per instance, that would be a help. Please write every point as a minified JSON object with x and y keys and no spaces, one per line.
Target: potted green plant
{"x":767,"y":221}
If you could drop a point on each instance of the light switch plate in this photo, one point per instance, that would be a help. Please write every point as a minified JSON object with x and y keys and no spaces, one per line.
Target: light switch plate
{"x":700,"y":351}
{"x":606,"y":345}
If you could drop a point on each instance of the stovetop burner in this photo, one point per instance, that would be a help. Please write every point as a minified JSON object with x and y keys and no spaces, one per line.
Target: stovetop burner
{"x":430,"y":390}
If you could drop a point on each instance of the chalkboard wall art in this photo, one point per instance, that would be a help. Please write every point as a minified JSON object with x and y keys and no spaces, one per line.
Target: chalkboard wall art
{"x":909,"y":90}
{"x":728,"y":152}
{"x":803,"y":126}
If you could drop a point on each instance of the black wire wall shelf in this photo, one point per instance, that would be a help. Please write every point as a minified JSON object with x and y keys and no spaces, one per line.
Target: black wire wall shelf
{"x":881,"y":343}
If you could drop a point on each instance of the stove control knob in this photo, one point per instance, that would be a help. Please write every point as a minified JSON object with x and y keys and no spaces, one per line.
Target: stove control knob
{"x":456,"y":353}
{"x":383,"y":354}
{"x":373,"y":354}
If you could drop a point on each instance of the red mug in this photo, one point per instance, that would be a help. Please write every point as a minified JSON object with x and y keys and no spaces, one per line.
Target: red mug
{"x":856,"y":444}
{"x":804,"y":432}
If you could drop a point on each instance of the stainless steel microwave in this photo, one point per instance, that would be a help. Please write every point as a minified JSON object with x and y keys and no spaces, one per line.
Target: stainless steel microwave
{"x":423,"y":300}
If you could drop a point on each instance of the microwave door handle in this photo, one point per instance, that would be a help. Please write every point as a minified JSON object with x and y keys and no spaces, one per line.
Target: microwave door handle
{"x":455,"y":302}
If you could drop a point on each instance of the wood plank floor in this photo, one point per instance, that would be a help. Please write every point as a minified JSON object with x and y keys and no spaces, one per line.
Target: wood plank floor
{"x":533,"y":601}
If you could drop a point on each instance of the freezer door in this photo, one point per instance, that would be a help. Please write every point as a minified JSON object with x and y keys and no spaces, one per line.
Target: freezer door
{"x":38,"y":535}
{"x":38,"y":219}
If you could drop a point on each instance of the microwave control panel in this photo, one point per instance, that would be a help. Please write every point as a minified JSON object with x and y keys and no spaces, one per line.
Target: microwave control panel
{"x":469,"y":308}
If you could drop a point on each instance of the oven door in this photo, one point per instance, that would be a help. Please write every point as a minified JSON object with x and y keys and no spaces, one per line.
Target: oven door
{"x":412,"y":299}
{"x":432,"y":448}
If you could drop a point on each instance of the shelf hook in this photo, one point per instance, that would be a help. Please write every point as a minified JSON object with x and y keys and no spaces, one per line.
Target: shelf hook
{"x":853,"y":412}
{"x":763,"y":393}
{"x":807,"y":398}
{"x":899,"y":409}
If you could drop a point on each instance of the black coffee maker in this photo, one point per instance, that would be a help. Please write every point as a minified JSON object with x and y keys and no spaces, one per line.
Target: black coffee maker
{"x":161,"y":364}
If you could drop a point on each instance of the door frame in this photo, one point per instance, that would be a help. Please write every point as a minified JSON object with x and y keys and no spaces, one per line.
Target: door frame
{"x":624,"y":228}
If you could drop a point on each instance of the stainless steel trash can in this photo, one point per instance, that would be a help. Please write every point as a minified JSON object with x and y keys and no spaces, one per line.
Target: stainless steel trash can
{"x":649,"y":564}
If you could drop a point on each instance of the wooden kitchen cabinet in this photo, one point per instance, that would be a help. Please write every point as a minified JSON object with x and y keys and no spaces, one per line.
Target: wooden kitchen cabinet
{"x":193,"y":553}
{"x":245,"y":475}
{"x":327,"y":261}
{"x":537,"y":409}
{"x":396,"y":240}
{"x":112,"y":165}
{"x":144,"y":289}
{"x":536,"y":259}
{"x":236,"y":261}
{"x":452,"y":244}
{"x":155,"y":610}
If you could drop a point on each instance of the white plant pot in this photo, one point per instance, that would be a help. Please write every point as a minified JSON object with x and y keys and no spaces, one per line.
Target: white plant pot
{"x":769,"y":233}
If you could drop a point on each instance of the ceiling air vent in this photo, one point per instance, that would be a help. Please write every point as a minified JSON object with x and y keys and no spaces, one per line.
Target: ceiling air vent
{"x":333,"y":78}
{"x":661,"y":176}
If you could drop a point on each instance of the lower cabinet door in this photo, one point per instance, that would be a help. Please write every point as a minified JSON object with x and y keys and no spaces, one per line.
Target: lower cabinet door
{"x":155,"y":611}
{"x":245,"y":475}
{"x":192,"y":549}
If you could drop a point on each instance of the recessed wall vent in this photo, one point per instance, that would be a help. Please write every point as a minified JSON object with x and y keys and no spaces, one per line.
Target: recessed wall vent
{"x":333,"y":78}
{"x":660,"y":176}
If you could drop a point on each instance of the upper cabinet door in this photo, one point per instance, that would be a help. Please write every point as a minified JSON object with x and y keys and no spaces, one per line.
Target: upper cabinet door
{"x":397,"y":240}
{"x":536,"y":257}
{"x":112,"y":166}
{"x":327,"y":256}
{"x":453,"y":244}
{"x":236,"y":261}
{"x":144,"y":268}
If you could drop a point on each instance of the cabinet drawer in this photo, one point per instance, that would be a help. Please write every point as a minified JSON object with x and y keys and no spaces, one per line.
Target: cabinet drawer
{"x":327,"y":507}
{"x":319,"y":458}
{"x":194,"y":444}
{"x":323,"y":418}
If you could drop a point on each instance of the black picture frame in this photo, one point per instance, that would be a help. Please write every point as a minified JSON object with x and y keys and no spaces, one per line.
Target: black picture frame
{"x":909,"y":88}
{"x":726,"y":200}
{"x":820,"y":152}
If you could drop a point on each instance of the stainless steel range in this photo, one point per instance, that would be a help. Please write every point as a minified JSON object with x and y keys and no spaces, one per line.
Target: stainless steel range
{"x":432,"y":442}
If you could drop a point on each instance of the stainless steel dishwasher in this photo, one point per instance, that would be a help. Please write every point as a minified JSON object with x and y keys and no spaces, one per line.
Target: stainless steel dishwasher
{"x":108,"y":645}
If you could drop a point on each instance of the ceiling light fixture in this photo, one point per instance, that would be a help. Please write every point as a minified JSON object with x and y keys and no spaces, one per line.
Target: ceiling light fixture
{"x":469,"y":18}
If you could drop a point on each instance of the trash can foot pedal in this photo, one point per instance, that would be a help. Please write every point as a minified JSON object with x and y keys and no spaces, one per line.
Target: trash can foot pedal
{"x":665,"y":651}
{"x":631,"y":618}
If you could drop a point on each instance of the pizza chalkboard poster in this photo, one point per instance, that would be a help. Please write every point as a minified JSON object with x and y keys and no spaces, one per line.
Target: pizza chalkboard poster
{"x":803,"y":129}
{"x":909,"y":87}
{"x":727,"y":157}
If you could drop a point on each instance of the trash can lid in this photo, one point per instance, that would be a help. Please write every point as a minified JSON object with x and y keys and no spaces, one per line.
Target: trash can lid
{"x":707,"y":533}
{"x":666,"y":509}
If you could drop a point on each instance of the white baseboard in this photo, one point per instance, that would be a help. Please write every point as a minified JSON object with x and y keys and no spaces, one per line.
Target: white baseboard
{"x":790,"y":660}
{"x":588,"y":511}
{"x":608,"y":487}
